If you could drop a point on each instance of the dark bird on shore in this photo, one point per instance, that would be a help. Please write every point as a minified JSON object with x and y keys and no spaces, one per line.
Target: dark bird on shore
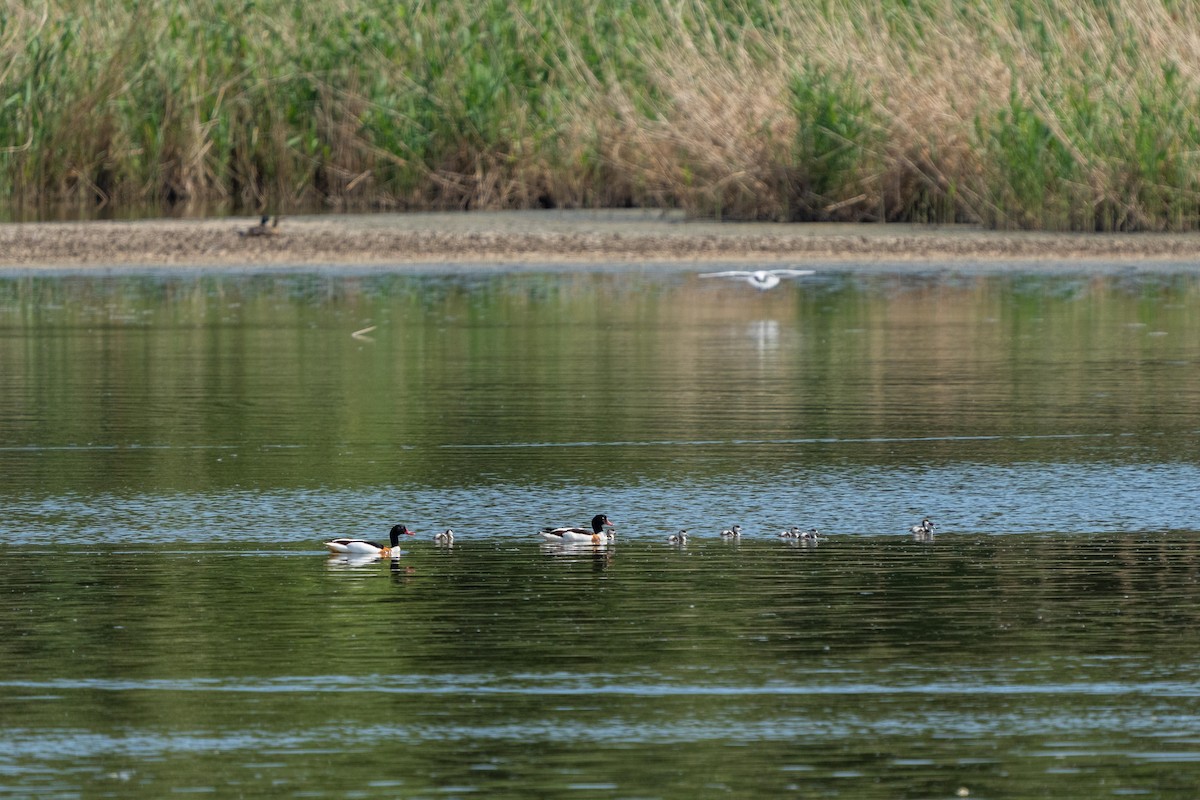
{"x":262,"y":228}
{"x":761,"y":279}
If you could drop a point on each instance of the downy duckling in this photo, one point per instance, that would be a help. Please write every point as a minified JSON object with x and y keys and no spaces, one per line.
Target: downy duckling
{"x":923,"y":530}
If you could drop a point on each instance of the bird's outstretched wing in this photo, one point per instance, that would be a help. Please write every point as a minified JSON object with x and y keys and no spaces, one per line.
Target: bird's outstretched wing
{"x":733,"y":273}
{"x":742,"y":273}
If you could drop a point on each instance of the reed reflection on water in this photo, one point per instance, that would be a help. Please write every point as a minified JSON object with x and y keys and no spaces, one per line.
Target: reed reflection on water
{"x":176,"y":447}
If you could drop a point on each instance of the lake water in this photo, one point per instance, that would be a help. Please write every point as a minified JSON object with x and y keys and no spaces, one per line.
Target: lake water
{"x":176,"y":447}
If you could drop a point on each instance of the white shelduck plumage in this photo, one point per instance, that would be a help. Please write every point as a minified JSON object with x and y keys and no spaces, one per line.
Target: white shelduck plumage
{"x":369,"y":548}
{"x":597,"y":534}
{"x":732,"y":533}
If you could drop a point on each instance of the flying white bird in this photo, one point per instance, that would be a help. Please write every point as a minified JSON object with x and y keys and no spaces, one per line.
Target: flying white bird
{"x":762,"y":279}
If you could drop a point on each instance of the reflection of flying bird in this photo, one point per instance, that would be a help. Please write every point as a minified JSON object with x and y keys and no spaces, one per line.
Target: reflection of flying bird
{"x":760,"y":278}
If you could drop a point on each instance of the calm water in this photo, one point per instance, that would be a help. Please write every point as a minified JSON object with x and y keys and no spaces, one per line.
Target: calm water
{"x":175,"y":448}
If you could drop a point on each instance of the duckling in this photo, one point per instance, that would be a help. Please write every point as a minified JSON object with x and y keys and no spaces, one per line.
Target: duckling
{"x":678,"y":538}
{"x":445,"y":537}
{"x":923,"y":530}
{"x":732,"y":533}
{"x":811,"y":535}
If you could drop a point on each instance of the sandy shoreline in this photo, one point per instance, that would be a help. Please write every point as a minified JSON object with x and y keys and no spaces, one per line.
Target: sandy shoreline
{"x":553,"y":237}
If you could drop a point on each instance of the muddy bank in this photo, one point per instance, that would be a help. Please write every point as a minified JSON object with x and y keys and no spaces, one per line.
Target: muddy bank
{"x":533,"y":237}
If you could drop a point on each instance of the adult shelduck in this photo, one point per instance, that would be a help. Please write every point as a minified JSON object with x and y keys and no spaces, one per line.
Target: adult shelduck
{"x":597,"y":535}
{"x":364,"y":547}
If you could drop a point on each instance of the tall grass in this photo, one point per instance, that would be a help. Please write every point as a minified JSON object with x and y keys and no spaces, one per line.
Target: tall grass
{"x":1045,"y":114}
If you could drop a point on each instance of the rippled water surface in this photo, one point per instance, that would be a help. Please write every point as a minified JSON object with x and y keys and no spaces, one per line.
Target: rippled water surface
{"x":176,"y":448}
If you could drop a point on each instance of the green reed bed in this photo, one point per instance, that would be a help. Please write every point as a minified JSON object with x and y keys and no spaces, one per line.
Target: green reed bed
{"x":1055,"y":114}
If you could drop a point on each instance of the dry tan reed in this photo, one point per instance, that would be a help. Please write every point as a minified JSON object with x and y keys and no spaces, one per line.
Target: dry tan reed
{"x":1056,"y":114}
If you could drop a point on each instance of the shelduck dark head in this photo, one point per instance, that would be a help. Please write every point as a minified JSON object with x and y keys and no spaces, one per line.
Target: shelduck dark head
{"x":397,"y":532}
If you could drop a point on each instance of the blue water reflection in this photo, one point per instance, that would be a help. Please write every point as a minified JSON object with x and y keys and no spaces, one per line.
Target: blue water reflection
{"x":844,"y":500}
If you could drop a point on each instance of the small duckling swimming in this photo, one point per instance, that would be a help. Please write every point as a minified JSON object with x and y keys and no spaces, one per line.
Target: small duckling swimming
{"x":445,"y":537}
{"x":923,"y":530}
{"x":678,"y":538}
{"x":812,"y":535}
{"x":732,"y":533}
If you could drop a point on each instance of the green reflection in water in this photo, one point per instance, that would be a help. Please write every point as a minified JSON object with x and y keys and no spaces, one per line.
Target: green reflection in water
{"x":182,"y":413}
{"x":223,"y":379}
{"x":862,"y":667}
